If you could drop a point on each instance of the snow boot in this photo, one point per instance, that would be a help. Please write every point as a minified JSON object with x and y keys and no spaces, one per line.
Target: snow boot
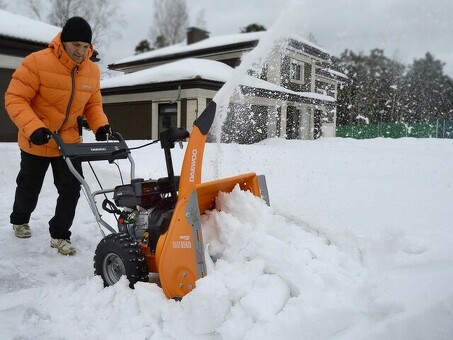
{"x":63,"y":246}
{"x":22,"y":230}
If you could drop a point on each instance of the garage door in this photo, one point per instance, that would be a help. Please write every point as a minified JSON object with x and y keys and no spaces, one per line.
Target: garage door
{"x":132,"y":120}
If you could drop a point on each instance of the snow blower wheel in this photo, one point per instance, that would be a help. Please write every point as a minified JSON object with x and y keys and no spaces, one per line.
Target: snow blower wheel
{"x":117,"y":255}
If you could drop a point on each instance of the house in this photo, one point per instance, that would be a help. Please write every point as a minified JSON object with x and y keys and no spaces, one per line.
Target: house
{"x":19,"y":36}
{"x":292,"y":94}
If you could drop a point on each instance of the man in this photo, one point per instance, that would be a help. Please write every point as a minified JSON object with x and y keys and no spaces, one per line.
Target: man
{"x":47,"y":93}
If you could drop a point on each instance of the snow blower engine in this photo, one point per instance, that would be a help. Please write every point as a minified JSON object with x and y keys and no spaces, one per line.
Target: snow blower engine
{"x":158,"y":227}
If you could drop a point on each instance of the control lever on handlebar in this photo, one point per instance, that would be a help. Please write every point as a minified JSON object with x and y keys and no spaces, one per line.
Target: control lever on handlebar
{"x":80,"y":120}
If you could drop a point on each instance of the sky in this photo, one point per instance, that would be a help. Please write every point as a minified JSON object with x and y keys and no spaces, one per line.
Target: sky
{"x":356,"y":244}
{"x":405,"y":29}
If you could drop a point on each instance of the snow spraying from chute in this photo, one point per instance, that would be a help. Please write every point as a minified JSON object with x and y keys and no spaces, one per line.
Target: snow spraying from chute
{"x":290,"y":21}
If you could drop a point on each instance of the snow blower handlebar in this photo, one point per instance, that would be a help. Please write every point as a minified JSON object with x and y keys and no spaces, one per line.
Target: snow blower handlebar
{"x":115,"y":148}
{"x":170,"y":136}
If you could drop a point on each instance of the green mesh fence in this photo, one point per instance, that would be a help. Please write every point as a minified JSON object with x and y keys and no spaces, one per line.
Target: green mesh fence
{"x":439,"y":129}
{"x":445,"y":128}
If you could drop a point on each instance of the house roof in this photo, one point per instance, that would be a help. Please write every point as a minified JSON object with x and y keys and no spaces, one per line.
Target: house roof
{"x":22,"y":28}
{"x":201,"y":45}
{"x":332,"y":74}
{"x":230,"y":42}
{"x":184,"y":69}
{"x":200,"y":69}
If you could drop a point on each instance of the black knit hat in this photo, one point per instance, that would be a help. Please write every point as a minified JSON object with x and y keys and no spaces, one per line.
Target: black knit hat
{"x":76,"y":29}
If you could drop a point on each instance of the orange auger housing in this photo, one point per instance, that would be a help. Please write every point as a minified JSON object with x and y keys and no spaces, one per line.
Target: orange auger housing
{"x":160,"y":221}
{"x":179,"y":257}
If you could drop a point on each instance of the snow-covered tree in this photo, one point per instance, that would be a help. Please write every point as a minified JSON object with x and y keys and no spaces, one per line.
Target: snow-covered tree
{"x":253,"y":28}
{"x":427,"y":91}
{"x":384,"y":90}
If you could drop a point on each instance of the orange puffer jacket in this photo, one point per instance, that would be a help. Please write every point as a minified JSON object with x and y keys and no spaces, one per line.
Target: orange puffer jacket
{"x":51,"y":90}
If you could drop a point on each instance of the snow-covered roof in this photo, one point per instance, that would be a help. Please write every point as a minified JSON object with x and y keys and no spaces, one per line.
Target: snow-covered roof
{"x":213,"y":42}
{"x":183,"y":69}
{"x":20,"y":27}
{"x":183,"y":47}
{"x":332,"y":74}
{"x":193,"y":68}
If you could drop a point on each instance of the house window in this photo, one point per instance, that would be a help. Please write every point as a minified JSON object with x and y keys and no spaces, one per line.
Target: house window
{"x":325,"y":88}
{"x":167,"y":116}
{"x":258,"y":71}
{"x":297,"y":71}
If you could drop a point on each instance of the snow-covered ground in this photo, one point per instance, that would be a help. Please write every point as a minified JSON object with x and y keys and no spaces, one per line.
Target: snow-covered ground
{"x":357,"y":244}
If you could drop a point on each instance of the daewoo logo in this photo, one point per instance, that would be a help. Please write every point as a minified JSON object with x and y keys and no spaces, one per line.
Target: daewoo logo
{"x":193,"y":164}
{"x":98,"y":149}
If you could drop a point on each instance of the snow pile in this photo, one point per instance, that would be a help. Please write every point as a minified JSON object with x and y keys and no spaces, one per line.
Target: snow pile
{"x":356,"y":245}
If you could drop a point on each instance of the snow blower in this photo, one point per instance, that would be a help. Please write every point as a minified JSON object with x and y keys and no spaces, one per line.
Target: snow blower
{"x":158,"y":220}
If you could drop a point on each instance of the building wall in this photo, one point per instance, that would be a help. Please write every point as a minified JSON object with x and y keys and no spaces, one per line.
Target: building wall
{"x":9,"y":62}
{"x":13,"y":52}
{"x":277,"y":71}
{"x":8,"y":131}
{"x":306,"y":128}
{"x":135,"y":115}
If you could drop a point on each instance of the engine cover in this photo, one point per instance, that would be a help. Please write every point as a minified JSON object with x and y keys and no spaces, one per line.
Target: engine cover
{"x":138,"y":193}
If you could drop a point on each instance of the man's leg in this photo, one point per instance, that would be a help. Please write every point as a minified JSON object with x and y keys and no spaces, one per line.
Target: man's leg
{"x":29,"y":183}
{"x":68,"y":188}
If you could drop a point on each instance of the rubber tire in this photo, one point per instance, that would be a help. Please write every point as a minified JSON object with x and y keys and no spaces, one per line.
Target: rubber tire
{"x":117,"y":255}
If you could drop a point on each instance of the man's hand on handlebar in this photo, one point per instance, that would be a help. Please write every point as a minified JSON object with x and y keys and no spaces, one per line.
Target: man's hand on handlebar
{"x":41,"y":136}
{"x":103,"y":133}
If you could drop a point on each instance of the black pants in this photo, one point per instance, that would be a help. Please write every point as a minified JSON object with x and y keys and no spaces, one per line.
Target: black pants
{"x":29,"y":183}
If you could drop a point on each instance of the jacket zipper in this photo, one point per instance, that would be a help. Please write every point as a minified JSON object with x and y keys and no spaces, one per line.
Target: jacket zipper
{"x":68,"y":108}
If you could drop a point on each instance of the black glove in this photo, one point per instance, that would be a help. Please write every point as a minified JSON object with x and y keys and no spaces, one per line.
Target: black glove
{"x":41,"y":136}
{"x":102,"y":132}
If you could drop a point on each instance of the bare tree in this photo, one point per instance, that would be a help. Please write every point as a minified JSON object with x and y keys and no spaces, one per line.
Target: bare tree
{"x":62,"y":10}
{"x":200,"y":21}
{"x":312,"y":38}
{"x":170,"y":21}
{"x":101,"y":14}
{"x":37,"y":7}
